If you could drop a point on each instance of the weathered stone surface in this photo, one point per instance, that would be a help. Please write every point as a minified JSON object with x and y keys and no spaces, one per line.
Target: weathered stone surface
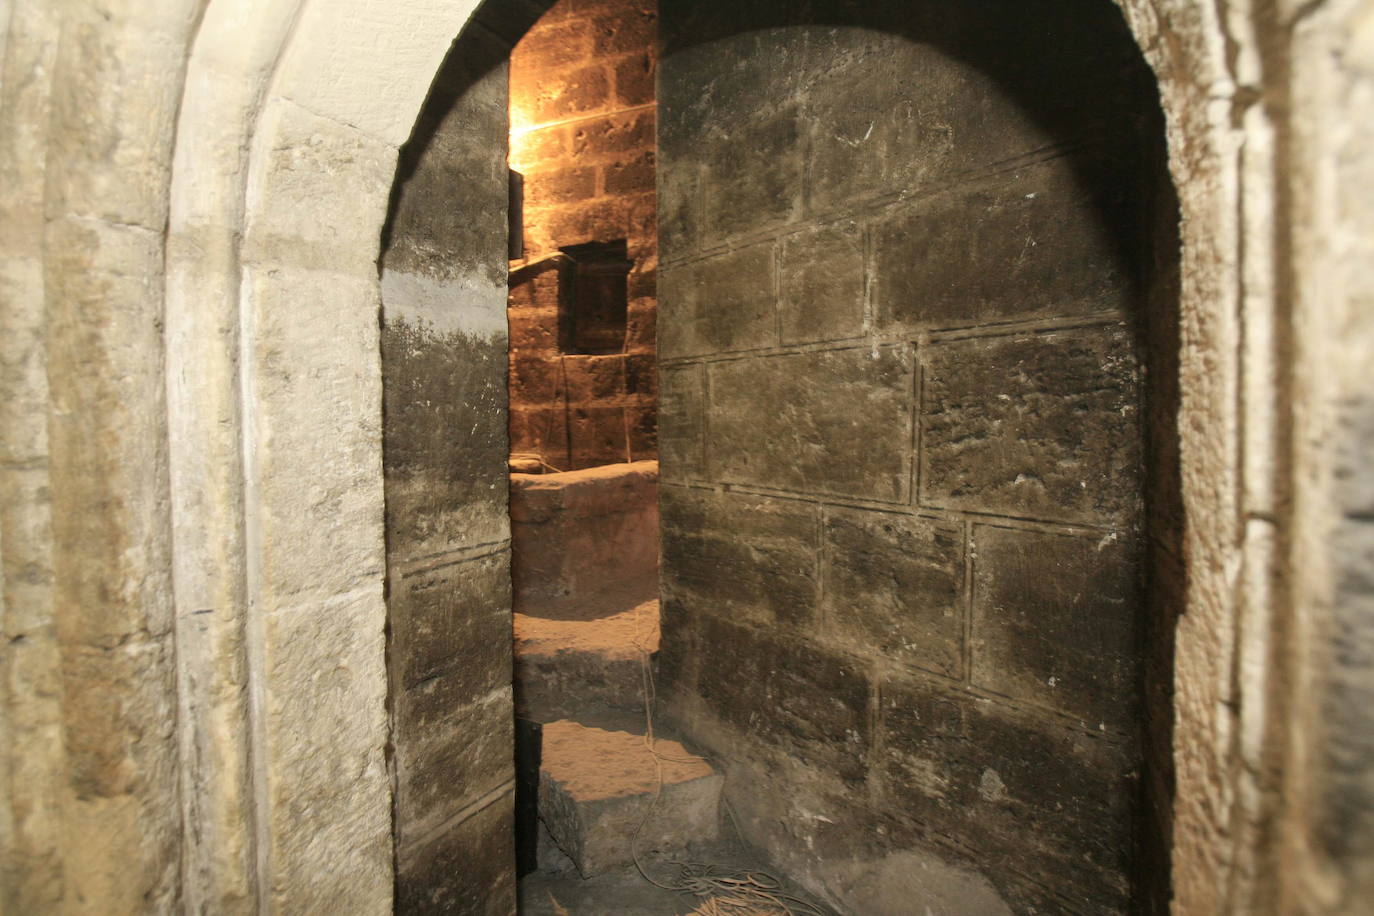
{"x":682,"y":423}
{"x":444,"y":325}
{"x":634,"y":80}
{"x":613,"y":136}
{"x":31,"y":765}
{"x":596,"y":788}
{"x":118,"y":731}
{"x":31,"y":875}
{"x":112,"y":121}
{"x":750,"y":557}
{"x":447,"y":217}
{"x":444,"y":361}
{"x":468,"y":870}
{"x":1029,"y":244}
{"x":822,"y":280}
{"x":1056,"y":622}
{"x":621,"y":27}
{"x":741,"y":197}
{"x":1346,"y":799}
{"x":788,"y":693}
{"x":369,"y":65}
{"x":679,"y":196}
{"x":559,"y":186}
{"x":1050,"y":802}
{"x":740,"y":124}
{"x":912,"y":97}
{"x":331,"y":183}
{"x":445,"y":488}
{"x":449,"y":751}
{"x":579,"y":533}
{"x":722,"y":303}
{"x":103,"y":362}
{"x":581,"y":91}
{"x":894,"y":584}
{"x":345,"y":70}
{"x":1355,"y":485}
{"x":833,"y":422}
{"x":329,"y":790}
{"x":913,"y":170}
{"x":583,"y":119}
{"x":572,"y":669}
{"x":444,"y":618}
{"x":595,"y":378}
{"x":110,"y":548}
{"x":1041,"y":426}
{"x":317,"y":433}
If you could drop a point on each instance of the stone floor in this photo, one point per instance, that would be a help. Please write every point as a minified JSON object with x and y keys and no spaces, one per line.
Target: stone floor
{"x":582,"y":656}
{"x":557,"y":889}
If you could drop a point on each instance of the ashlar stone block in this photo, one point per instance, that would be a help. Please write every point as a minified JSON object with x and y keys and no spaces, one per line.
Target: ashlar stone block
{"x":1032,"y":244}
{"x":822,"y":283}
{"x":596,"y":789}
{"x":1056,"y":622}
{"x":894,"y":586}
{"x":325,"y":721}
{"x":788,"y":693}
{"x":723,"y":303}
{"x":446,"y":445}
{"x":682,"y":421}
{"x":1033,"y":795}
{"x":448,"y":752}
{"x":754,"y":178}
{"x":468,"y":870}
{"x":830,"y":422}
{"x":448,"y":616}
{"x":747,"y":556}
{"x":1039,"y":426}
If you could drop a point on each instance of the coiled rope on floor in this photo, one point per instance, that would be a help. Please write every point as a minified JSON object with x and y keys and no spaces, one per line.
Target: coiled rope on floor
{"x":721,"y":889}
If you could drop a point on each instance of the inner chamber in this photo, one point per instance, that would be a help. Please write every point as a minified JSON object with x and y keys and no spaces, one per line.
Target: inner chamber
{"x":916,"y":351}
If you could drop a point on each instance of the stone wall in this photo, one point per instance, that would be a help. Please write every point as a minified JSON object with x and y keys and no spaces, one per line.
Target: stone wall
{"x":90,"y":817}
{"x":582,"y":118}
{"x":909,"y":278}
{"x":245,"y":153}
{"x":444,"y":346}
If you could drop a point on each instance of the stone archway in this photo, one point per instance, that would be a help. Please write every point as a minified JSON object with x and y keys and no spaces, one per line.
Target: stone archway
{"x":279,"y":187}
{"x":287,"y":105}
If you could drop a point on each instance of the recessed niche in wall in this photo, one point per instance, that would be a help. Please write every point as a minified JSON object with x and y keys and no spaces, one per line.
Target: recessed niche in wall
{"x":592,"y":297}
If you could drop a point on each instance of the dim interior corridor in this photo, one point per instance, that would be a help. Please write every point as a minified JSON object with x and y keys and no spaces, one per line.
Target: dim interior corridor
{"x":820,"y":401}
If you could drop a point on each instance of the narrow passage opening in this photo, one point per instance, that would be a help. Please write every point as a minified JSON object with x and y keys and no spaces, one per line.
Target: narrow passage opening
{"x":583,"y":436}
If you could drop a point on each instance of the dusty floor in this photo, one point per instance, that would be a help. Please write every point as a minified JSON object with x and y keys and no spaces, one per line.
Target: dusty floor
{"x":556,"y":889}
{"x":613,"y":634}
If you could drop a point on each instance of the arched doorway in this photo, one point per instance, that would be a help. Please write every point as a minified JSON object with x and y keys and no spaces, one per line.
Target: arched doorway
{"x":312,"y":106}
{"x":914,"y":266}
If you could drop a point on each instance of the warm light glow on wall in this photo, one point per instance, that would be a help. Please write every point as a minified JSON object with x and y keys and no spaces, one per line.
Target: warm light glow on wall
{"x":523,"y":97}
{"x":520,"y":142}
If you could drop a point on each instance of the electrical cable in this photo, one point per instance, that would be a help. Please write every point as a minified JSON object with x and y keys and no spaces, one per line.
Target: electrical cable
{"x":722,"y":890}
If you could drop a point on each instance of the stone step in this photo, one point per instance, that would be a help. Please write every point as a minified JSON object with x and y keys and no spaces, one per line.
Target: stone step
{"x":596,"y":787}
{"x":565,"y":669}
